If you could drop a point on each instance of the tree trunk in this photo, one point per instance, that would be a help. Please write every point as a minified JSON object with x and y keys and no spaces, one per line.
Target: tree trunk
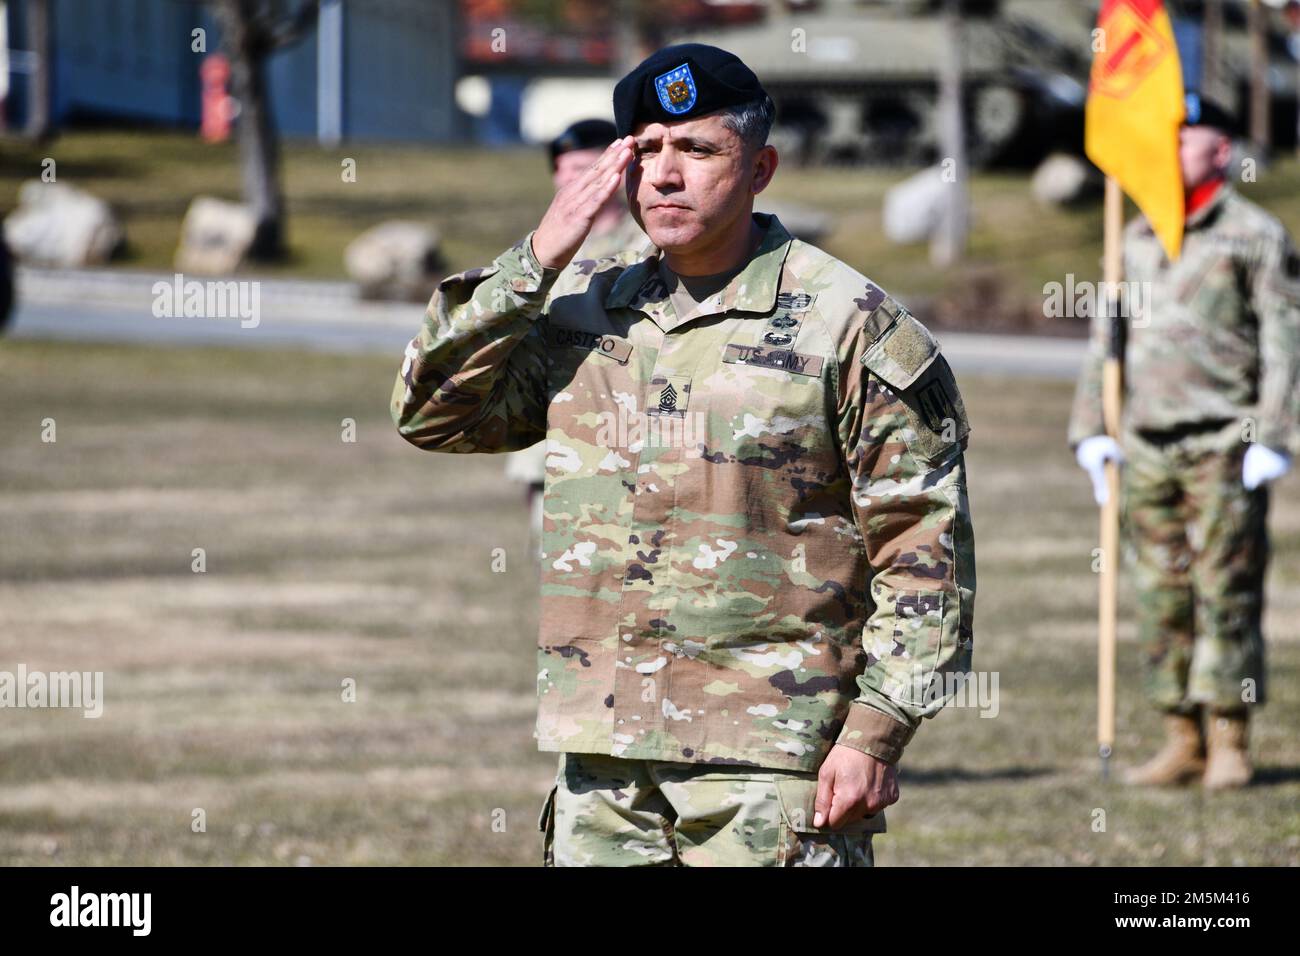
{"x":258,"y":142}
{"x":259,"y":158}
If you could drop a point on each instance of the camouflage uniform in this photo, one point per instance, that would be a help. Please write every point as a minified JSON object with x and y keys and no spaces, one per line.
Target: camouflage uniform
{"x":1210,"y":364}
{"x":529,"y":464}
{"x":757,"y":540}
{"x":609,"y":811}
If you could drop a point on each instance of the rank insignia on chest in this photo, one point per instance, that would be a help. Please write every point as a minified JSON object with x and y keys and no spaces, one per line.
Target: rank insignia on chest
{"x":668,"y":395}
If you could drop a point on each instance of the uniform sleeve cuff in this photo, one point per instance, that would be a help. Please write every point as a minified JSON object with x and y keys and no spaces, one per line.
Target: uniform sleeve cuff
{"x":530,"y":265}
{"x":1078,"y":436}
{"x":875,"y":732}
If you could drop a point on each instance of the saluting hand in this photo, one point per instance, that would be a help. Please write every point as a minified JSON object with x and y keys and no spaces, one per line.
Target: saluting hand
{"x":574,"y":208}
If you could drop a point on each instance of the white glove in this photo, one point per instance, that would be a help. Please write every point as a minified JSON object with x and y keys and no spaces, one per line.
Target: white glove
{"x":1092,"y":455}
{"x":1263,"y":464}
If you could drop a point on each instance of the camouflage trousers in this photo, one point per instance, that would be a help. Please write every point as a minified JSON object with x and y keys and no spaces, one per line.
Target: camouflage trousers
{"x":1200,"y":548}
{"x":608,"y":811}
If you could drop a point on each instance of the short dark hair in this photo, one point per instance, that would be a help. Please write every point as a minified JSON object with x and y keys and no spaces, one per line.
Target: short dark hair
{"x":752,"y":121}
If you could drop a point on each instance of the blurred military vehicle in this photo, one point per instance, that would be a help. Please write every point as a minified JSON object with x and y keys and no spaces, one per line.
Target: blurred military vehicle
{"x":1072,"y":23}
{"x":857,"y":80}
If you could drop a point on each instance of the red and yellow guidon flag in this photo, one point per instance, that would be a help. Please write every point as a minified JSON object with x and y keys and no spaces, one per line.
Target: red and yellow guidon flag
{"x":1135,"y":109}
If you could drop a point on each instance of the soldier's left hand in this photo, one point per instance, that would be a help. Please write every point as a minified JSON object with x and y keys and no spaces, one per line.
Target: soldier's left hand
{"x":852,"y":785}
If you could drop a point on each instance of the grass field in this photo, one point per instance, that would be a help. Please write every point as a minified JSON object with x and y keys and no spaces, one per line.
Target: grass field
{"x":484,"y":200}
{"x":328,"y":560}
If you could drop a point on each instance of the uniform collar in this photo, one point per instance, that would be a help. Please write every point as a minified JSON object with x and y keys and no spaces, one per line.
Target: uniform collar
{"x":1203,"y":216}
{"x":1208,"y":208}
{"x":1207,"y":213}
{"x":754,"y":289}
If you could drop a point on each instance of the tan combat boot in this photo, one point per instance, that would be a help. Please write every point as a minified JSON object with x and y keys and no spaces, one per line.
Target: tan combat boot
{"x":1182,"y":758}
{"x":1229,"y":763}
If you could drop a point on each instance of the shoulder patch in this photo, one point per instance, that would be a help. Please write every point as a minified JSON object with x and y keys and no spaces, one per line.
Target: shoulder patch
{"x":902,"y":353}
{"x":906,"y":357}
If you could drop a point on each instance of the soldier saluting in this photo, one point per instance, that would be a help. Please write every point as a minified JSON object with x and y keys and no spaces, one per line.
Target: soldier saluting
{"x":1211,"y":375}
{"x":613,"y":230}
{"x":741,"y":627}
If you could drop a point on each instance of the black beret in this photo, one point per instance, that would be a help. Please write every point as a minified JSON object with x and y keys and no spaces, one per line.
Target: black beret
{"x":678,"y":82}
{"x":584,"y":134}
{"x":1202,"y":111}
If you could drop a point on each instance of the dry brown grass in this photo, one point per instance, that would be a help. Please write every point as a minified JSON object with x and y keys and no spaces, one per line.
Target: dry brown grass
{"x":372,"y":561}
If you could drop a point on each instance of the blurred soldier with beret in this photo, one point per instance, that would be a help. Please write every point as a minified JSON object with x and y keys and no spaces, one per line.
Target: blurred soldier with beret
{"x":1211,"y":373}
{"x":758,"y":563}
{"x":613,"y":230}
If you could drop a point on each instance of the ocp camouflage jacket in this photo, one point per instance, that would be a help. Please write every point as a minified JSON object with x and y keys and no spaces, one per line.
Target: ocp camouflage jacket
{"x":1215,"y":336}
{"x":757,"y":541}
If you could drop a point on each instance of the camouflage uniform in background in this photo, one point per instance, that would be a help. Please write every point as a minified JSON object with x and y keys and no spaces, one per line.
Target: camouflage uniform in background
{"x":528,"y":465}
{"x":757,"y":539}
{"x":1212,"y":365}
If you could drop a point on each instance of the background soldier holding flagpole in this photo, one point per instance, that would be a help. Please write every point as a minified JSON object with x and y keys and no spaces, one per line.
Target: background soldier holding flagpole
{"x":1211,"y":367}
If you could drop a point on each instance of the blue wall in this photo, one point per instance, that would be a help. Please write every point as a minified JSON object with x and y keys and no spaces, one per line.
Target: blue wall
{"x":128,"y":58}
{"x":131,"y":60}
{"x":399,"y":83}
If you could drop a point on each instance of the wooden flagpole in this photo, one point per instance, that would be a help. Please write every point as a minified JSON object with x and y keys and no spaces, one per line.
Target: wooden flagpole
{"x":1112,"y":374}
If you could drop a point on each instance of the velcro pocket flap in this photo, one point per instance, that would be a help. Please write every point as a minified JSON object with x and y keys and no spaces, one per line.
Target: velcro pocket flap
{"x":902,"y":353}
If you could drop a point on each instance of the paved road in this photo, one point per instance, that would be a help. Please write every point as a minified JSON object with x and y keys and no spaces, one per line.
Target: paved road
{"x":103,"y":307}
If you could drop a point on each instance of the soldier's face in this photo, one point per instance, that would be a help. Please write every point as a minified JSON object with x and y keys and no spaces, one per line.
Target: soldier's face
{"x":1204,"y":154}
{"x":569,"y":165}
{"x":690,"y":183}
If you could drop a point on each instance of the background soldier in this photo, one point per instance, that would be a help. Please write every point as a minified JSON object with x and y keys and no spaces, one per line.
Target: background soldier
{"x":747,"y":598}
{"x":613,"y":230}
{"x":1211,"y":374}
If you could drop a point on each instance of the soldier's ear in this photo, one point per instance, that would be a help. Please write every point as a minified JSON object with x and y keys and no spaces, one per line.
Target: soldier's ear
{"x":1223,"y":154}
{"x":765,"y":163}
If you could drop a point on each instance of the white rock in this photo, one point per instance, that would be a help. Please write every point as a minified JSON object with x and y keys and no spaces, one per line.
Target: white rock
{"x":397,"y":259}
{"x":1061,"y":179}
{"x":914,"y":207}
{"x":215,"y":236}
{"x":60,"y":226}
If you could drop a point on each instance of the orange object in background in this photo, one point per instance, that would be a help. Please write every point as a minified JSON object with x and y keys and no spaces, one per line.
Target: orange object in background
{"x":214,"y":74}
{"x":1135,"y":108}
